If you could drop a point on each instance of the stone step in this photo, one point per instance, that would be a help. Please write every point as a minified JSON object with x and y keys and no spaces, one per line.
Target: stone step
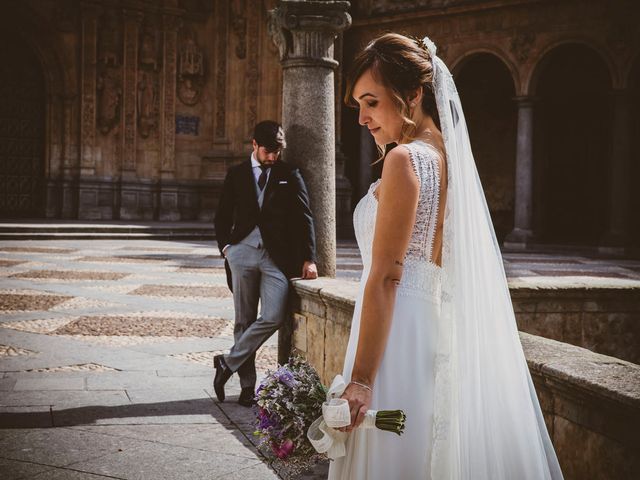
{"x":106,"y":231}
{"x":108,"y":236}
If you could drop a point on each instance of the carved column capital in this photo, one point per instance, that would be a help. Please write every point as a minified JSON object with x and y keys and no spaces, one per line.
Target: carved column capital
{"x":304,"y":31}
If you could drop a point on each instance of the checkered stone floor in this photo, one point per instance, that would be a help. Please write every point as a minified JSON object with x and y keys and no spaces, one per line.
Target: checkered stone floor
{"x":112,"y":343}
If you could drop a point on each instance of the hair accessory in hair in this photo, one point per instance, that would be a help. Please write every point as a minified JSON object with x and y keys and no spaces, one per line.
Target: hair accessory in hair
{"x":428,"y":44}
{"x":420,"y":43}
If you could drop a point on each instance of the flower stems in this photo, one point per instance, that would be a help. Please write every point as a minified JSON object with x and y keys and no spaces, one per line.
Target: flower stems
{"x":391,"y":421}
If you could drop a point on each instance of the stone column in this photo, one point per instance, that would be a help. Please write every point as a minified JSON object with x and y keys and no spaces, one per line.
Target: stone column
{"x":617,"y":232}
{"x":523,"y":225}
{"x":305,"y":32}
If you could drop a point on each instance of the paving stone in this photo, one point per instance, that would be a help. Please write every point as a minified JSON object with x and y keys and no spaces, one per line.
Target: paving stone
{"x":69,"y":275}
{"x":145,"y":326}
{"x":216,"y":438}
{"x":66,"y":474}
{"x":84,"y":367}
{"x":36,"y":250}
{"x":10,"y":303}
{"x":255,"y":472}
{"x":143,"y":381}
{"x":159,"y":461}
{"x":181,"y":345}
{"x":14,"y":469}
{"x":10,"y":263}
{"x":200,"y":410}
{"x":59,"y":446}
{"x":63,"y":399}
{"x":10,"y":351}
{"x":7,"y":384}
{"x":41,"y":384}
{"x":25,"y":417}
{"x":167,"y":395}
{"x":183,"y":291}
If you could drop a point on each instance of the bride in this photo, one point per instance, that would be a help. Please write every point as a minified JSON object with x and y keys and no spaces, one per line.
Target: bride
{"x":433,"y":331}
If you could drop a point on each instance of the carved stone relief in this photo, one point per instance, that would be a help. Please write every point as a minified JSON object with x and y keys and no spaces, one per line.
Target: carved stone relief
{"x":253,"y":68}
{"x":109,"y":98}
{"x":147,"y":105}
{"x":521,"y":45}
{"x":109,"y":40}
{"x":130,"y":91}
{"x":190,"y":68}
{"x":221,"y":71}
{"x":88,"y":87}
{"x":169,"y":67}
{"x":109,"y":72}
{"x":149,"y":45}
{"x":239,"y":25}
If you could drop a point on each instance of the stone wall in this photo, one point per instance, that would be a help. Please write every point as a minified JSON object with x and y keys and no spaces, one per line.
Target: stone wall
{"x":591,"y":402}
{"x":148,"y":103}
{"x":603,"y":320}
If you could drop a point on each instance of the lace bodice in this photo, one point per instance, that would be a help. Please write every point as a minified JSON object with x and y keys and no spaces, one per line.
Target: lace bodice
{"x":420,"y":275}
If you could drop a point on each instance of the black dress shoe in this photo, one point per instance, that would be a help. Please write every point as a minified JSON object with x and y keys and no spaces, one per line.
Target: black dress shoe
{"x":223,"y":374}
{"x":247,"y":397}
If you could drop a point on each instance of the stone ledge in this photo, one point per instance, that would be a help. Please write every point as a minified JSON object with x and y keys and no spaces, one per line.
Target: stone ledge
{"x":590,"y":401}
{"x":572,"y":283}
{"x":592,"y":373}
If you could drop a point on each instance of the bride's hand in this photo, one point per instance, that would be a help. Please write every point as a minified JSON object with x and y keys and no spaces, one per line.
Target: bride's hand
{"x":359,"y":399}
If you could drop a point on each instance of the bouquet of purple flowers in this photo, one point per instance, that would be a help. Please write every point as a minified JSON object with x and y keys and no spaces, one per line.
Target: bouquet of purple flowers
{"x":294,"y":416}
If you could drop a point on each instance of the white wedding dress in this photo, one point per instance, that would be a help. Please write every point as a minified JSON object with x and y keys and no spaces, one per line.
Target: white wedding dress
{"x":405,"y":379}
{"x":453,"y":360}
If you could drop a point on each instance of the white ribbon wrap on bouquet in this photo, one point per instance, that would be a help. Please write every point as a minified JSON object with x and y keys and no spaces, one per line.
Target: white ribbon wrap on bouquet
{"x":323,"y":433}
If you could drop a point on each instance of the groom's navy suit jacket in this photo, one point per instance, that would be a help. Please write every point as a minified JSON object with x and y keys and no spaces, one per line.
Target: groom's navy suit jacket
{"x":285,"y":220}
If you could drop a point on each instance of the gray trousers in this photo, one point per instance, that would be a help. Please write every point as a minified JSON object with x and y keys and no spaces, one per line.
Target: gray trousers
{"x":255,"y":277}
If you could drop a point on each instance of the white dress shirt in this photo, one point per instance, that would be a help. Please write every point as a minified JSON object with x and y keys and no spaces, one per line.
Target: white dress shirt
{"x":257,"y":171}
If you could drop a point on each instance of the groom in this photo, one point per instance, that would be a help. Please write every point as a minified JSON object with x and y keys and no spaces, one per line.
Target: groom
{"x":265,"y":233}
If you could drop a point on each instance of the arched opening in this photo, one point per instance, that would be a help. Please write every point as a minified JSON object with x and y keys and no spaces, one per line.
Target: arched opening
{"x":634,"y":135}
{"x":572,"y":146}
{"x":22,"y":130}
{"x":486,"y":90}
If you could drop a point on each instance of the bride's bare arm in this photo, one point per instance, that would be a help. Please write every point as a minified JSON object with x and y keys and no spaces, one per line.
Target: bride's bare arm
{"x":397,"y":202}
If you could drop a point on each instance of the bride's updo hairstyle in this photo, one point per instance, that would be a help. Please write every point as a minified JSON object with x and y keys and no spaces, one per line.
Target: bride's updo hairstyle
{"x":402,"y":64}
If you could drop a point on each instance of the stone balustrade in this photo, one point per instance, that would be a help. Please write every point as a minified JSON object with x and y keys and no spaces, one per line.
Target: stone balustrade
{"x":591,"y":402}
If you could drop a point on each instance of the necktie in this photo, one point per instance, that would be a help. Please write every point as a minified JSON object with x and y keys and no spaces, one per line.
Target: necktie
{"x":262,"y":180}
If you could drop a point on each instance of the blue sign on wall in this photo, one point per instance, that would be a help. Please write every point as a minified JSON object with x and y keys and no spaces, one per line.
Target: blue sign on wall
{"x":187,"y":125}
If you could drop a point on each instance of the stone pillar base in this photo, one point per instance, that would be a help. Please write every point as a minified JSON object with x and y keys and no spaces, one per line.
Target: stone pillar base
{"x":518,"y":239}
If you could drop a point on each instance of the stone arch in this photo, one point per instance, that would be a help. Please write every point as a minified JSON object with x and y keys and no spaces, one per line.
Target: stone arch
{"x":32,"y":33}
{"x":572,"y":145}
{"x":633,"y":87}
{"x":487,"y":91}
{"x":456,"y":65}
{"x":530,"y":81}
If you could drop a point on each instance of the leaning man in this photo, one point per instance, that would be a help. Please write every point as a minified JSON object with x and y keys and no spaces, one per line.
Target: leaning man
{"x":265,"y":233}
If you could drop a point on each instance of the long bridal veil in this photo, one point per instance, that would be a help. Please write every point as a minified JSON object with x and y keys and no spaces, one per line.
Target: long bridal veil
{"x":487,"y":420}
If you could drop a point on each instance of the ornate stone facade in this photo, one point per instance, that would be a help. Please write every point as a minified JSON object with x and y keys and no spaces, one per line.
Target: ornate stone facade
{"x":136,"y":119}
{"x":145,"y":104}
